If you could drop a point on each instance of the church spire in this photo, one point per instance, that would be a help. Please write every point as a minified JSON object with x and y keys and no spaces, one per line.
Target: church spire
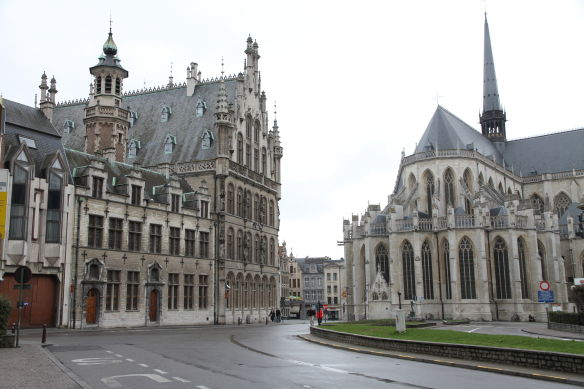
{"x":493,"y":118}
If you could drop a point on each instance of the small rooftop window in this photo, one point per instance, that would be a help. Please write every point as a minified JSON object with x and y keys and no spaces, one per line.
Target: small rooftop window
{"x":30,"y":143}
{"x":165,"y":114}
{"x":169,"y":144}
{"x":201,"y":108}
{"x":207,"y":139}
{"x":133,"y":148}
{"x":133,"y":118}
{"x":68,"y":127}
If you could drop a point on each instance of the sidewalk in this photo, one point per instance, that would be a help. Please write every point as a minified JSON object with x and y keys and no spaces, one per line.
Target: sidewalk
{"x":566,"y":378}
{"x":31,"y":366}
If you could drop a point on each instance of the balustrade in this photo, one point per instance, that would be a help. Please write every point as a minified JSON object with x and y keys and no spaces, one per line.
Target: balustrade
{"x":464,"y":221}
{"x":501,"y":221}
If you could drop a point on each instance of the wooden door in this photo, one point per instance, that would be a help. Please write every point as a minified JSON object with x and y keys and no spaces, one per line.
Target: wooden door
{"x":91,"y":304}
{"x":153,"y":310}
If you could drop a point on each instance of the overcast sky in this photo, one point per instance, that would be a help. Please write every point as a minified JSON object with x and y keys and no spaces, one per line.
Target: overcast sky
{"x":355,"y":81}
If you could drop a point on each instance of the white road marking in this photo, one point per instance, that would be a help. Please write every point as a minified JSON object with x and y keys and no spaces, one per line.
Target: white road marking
{"x":473,"y":330}
{"x":181,"y":379}
{"x":95,"y":361}
{"x":113,"y":382}
{"x":119,"y":356}
{"x":160,"y":371}
{"x":143,"y":364}
{"x":109,"y":352}
{"x":129,"y":360}
{"x":202,"y":387}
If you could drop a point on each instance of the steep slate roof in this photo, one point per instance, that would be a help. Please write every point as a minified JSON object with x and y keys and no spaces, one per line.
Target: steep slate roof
{"x":447,"y":132}
{"x":150,"y":131}
{"x":22,"y":120}
{"x":551,"y":153}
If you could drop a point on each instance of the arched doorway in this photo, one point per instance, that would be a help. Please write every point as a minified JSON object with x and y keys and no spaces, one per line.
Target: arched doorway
{"x":91,"y":304}
{"x":153,"y":307}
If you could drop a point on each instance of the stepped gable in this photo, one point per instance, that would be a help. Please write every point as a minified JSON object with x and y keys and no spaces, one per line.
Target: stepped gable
{"x":552,"y":153}
{"x":148,"y":128}
{"x":445,"y":131}
{"x":22,"y":120}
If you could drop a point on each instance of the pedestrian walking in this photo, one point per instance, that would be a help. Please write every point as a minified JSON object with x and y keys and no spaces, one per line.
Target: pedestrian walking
{"x":278,"y":315}
{"x":319,"y":315}
{"x":310,"y":313}
{"x":272,"y":315}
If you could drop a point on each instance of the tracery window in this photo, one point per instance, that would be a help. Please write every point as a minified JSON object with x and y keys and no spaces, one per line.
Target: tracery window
{"x":522,"y":269}
{"x":502,"y":278}
{"x":537,"y":203}
{"x":467,"y":177}
{"x":382,"y":261}
{"x":466,"y":262}
{"x":430,"y":189}
{"x":541,"y":254}
{"x":409,"y":273}
{"x":561,"y":204}
{"x":427,"y":276}
{"x":446,"y":262}
{"x":449,"y":188}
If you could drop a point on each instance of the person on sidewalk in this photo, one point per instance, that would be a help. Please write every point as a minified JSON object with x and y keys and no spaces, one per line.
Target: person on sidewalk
{"x":272,"y":315}
{"x":278,"y":315}
{"x":310,"y":314}
{"x":319,"y":316}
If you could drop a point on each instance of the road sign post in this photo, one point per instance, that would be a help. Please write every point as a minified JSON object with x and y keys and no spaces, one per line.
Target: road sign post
{"x":22,"y":275}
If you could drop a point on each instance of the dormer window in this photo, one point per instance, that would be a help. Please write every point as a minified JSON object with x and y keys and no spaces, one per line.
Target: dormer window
{"x":207,"y":139}
{"x":201,"y":108}
{"x":169,"y":144}
{"x":133,"y":148}
{"x":68,"y":127}
{"x":30,"y":143}
{"x":165,"y":114}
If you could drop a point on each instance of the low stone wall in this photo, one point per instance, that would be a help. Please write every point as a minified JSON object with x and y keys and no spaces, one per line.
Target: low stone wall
{"x":570,"y":363}
{"x":566,"y":327}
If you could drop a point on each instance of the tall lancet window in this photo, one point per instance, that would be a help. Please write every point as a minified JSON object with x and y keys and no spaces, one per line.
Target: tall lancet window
{"x":522,"y":268}
{"x":467,"y":179}
{"x":541,"y":254}
{"x":467,"y":276}
{"x":449,"y":188}
{"x":430,"y":189}
{"x":382,"y":262}
{"x":19,"y":200}
{"x":502,"y":278}
{"x":446,"y":263}
{"x":54,"y":202}
{"x":409,"y":273}
{"x":427,"y":271}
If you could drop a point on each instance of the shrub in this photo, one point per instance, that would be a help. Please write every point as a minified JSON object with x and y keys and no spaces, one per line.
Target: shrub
{"x":567,"y":318}
{"x":4,"y":314}
{"x":576,"y":294}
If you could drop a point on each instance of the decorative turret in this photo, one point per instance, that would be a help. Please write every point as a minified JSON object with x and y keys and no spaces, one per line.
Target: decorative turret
{"x":223,"y":122}
{"x":277,"y":148}
{"x":106,"y":123}
{"x":493,"y":117}
{"x":251,"y":65}
{"x":48,"y":100}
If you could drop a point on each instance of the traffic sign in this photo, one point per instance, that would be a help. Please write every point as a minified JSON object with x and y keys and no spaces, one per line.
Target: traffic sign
{"x":544,"y":285}
{"x":22,"y":274}
{"x":545,"y":296}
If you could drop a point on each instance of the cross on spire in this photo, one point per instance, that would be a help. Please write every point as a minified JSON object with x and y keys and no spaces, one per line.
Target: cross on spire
{"x":437,"y":98}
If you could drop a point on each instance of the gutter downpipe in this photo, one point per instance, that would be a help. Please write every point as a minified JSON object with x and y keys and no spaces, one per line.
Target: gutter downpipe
{"x":79,"y":201}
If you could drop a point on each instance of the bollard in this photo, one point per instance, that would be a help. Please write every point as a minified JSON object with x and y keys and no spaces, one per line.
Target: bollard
{"x":13,"y":328}
{"x":266,"y":320}
{"x":44,"y":339}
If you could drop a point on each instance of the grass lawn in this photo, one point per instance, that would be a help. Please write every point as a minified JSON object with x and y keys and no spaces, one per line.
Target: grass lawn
{"x":449,"y":336}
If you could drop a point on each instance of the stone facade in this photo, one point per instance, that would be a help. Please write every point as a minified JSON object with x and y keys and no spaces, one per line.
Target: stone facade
{"x":334,"y":286}
{"x":474,"y":224}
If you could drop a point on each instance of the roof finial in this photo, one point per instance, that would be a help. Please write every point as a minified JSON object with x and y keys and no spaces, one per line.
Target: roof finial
{"x":170,"y":78}
{"x":438,"y":97}
{"x":222,"y":66}
{"x":275,"y":110}
{"x":110,"y":22}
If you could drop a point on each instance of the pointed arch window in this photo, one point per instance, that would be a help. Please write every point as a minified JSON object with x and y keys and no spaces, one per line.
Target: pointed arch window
{"x":239,"y":245}
{"x":248,"y":125}
{"x":538,"y":204}
{"x":500,"y":189}
{"x":541,"y":254}
{"x":502,"y":277}
{"x":230,"y":244}
{"x":449,"y":188}
{"x":561,"y":204}
{"x":247,"y":203}
{"x":272,"y":252}
{"x":467,"y":276}
{"x":467,"y":179}
{"x":481,"y":180}
{"x":256,"y":257}
{"x":256,"y":132}
{"x":522,"y":268}
{"x":264,"y":161}
{"x":271,"y":219}
{"x":240,"y":202}
{"x":428,"y":279}
{"x":165,"y":114}
{"x":430,"y":189}
{"x":18,"y":204}
{"x":446,"y":262}
{"x":256,"y":208}
{"x":382,"y":261}
{"x":409,"y":273}
{"x":230,"y":199}
{"x":54,"y":205}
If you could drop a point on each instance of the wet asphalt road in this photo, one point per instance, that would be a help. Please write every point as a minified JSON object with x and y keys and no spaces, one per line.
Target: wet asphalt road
{"x":249,"y":357}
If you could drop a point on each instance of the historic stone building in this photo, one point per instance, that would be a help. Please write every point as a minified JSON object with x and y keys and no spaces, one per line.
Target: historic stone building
{"x":334,"y":271}
{"x":474,"y":224}
{"x":174,"y":214}
{"x":36,"y":200}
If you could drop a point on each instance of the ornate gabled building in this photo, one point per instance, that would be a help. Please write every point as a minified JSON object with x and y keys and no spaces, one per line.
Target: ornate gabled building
{"x":474,"y":224}
{"x":176,"y":212}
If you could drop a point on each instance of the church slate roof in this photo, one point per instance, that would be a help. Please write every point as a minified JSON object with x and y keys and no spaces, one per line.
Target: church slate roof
{"x":447,"y":132}
{"x":22,"y":120}
{"x":559,"y":152}
{"x":150,"y":131}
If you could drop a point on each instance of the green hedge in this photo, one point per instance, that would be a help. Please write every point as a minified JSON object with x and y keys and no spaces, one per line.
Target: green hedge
{"x":567,"y":318}
{"x":4,"y":314}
